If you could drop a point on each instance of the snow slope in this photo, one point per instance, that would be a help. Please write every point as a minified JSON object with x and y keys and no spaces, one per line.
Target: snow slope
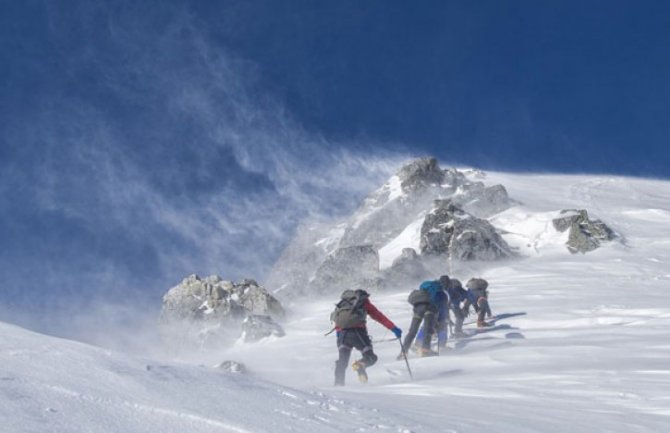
{"x":581,"y":345}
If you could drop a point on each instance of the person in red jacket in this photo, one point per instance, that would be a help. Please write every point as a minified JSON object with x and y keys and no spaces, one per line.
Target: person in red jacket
{"x":350,"y":318}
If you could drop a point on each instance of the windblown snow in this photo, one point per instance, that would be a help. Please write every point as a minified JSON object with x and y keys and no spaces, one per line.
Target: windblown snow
{"x":580,"y":344}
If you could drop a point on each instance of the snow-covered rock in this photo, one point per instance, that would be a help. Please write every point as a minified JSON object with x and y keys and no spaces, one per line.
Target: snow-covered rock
{"x":388,"y":220}
{"x":451,"y":232}
{"x":208,"y":313}
{"x":585,"y":234}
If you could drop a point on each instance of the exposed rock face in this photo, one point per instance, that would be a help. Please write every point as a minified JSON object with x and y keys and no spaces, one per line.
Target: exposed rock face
{"x":209,"y":312}
{"x":255,"y":299}
{"x":316,"y":259}
{"x":256,"y":327}
{"x":585,"y":234}
{"x":420,"y":173}
{"x":208,"y":300}
{"x":355,"y":267}
{"x":450,"y":231}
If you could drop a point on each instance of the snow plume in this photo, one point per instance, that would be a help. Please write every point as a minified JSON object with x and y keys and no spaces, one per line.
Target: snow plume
{"x":155,"y":154}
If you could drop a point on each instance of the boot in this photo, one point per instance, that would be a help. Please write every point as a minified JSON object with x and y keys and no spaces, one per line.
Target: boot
{"x":482,"y":324}
{"x":423,"y":352}
{"x":359,"y":367}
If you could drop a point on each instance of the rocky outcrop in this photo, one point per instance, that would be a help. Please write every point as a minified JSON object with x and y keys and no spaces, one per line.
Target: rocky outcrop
{"x":585,"y":234}
{"x":420,"y":173}
{"x":195,"y":299}
{"x":317,"y":259}
{"x":355,"y":267}
{"x":202,"y":313}
{"x":387,"y":211}
{"x":450,"y":231}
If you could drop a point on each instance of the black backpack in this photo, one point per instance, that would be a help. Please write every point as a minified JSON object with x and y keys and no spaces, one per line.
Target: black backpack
{"x":350,"y":311}
{"x":417,"y":297}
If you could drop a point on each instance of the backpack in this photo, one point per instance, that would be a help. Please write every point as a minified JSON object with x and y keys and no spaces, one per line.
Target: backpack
{"x":350,"y":311}
{"x":417,"y":297}
{"x":478,"y":286}
{"x":426,"y":294}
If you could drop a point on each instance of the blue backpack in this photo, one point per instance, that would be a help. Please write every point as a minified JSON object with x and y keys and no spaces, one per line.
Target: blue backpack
{"x":434,"y":288}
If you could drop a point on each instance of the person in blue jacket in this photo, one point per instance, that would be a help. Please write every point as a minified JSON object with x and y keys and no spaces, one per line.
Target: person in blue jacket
{"x":442,"y":322}
{"x":426,"y":305}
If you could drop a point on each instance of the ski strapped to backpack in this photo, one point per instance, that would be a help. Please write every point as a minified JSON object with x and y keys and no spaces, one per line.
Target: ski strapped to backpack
{"x":350,"y":311}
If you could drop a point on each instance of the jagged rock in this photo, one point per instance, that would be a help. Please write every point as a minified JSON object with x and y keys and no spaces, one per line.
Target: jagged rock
{"x":585,"y":234}
{"x":452,"y":232}
{"x":420,"y":173}
{"x":202,"y":313}
{"x":306,"y":263}
{"x":232,"y":367}
{"x":355,"y":267}
{"x":255,"y":299}
{"x":256,"y":326}
{"x":387,"y":211}
{"x":196,"y":299}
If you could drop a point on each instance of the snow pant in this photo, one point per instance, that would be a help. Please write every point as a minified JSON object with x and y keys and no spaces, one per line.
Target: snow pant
{"x":422,"y":313}
{"x":484,"y":309}
{"x":348,"y":339}
{"x":442,"y":333}
{"x":459,"y":317}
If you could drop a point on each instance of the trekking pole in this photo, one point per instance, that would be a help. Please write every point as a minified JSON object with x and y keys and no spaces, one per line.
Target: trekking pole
{"x":404,"y":355}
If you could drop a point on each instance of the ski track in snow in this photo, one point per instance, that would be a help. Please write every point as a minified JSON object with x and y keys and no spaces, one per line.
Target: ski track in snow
{"x":581,"y":345}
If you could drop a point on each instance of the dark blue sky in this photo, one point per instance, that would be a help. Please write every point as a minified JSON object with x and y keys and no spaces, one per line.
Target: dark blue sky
{"x":142,"y":141}
{"x":520,"y":85}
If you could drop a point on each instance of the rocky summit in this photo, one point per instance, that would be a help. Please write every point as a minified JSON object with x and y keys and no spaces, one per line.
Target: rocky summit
{"x":424,"y":221}
{"x":361,"y":251}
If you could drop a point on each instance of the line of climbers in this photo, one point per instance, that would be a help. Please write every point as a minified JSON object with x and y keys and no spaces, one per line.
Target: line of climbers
{"x":431,"y":304}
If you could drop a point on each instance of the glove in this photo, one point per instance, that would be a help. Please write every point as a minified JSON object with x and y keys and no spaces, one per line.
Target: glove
{"x":397,"y":331}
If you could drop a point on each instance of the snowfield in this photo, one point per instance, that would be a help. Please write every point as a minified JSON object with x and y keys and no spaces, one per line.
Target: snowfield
{"x":581,"y":344}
